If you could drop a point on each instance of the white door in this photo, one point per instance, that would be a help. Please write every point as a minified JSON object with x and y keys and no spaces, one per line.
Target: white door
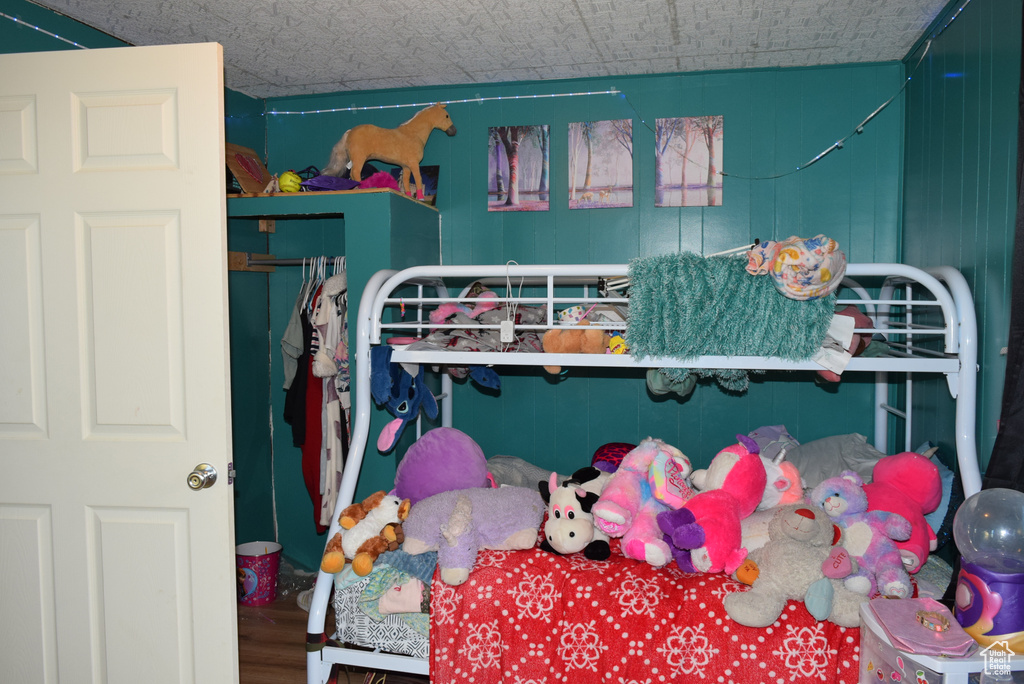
{"x":114,"y":369}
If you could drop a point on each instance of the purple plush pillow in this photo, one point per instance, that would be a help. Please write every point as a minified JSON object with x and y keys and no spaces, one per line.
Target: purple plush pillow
{"x":441,"y":460}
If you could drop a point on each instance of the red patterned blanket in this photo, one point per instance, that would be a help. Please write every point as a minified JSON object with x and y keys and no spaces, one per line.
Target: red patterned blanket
{"x":530,"y":616}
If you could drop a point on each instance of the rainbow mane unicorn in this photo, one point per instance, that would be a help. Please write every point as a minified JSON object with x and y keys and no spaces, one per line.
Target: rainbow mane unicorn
{"x":402,"y":146}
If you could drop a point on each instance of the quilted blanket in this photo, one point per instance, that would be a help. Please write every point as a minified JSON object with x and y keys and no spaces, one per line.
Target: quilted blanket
{"x":530,"y":616}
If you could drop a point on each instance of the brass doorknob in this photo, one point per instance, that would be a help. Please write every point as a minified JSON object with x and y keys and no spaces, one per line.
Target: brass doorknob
{"x":202,"y":477}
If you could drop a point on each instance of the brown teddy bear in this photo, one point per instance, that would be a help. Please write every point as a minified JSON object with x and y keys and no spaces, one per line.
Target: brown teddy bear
{"x":576,"y":339}
{"x":372,"y":526}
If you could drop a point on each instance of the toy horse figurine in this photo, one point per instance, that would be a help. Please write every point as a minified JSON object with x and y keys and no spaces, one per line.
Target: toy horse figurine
{"x":402,"y":146}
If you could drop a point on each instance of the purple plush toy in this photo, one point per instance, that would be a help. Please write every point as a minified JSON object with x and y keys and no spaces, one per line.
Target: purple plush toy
{"x":867,"y":535}
{"x":441,"y":460}
{"x":457,"y":524}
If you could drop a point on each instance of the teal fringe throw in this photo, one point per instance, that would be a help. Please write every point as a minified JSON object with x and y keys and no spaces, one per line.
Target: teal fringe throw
{"x":685,"y":305}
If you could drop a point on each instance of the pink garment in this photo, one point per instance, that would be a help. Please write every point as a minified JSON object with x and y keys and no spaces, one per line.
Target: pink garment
{"x":402,"y":598}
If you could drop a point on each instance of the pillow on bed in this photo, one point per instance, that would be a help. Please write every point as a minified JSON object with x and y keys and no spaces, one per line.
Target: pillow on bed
{"x":514,"y":471}
{"x":941,"y":519}
{"x":827,"y":457}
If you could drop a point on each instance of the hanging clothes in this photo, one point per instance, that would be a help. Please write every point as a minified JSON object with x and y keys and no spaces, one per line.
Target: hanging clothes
{"x":329,"y":342}
{"x":318,"y":400}
{"x":295,"y":398}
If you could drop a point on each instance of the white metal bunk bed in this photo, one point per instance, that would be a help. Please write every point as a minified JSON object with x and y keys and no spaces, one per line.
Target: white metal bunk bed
{"x":909,"y":307}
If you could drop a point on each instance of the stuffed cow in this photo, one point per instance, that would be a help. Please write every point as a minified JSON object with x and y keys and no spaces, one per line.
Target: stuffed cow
{"x":570,"y":524}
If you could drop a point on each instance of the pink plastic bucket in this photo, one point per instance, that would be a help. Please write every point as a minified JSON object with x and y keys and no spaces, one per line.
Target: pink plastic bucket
{"x":257,"y":564}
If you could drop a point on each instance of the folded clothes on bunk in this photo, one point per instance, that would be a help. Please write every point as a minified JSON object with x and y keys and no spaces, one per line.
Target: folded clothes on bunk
{"x":388,"y":609}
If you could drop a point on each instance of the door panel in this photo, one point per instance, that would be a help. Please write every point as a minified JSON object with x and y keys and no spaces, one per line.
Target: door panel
{"x":114,"y":378}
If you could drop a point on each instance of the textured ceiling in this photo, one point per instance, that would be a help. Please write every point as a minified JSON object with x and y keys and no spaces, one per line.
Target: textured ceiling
{"x":277,"y":48}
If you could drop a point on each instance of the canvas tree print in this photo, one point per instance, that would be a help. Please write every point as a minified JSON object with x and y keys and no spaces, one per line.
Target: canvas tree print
{"x":601,"y":164}
{"x":518,"y":162}
{"x":688,"y":161}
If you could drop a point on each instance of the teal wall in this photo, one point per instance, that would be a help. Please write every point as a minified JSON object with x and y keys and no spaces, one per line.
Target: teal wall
{"x":959,"y":197}
{"x":16,"y":37}
{"x":950,"y":146}
{"x":775,"y":120}
{"x":251,"y":349}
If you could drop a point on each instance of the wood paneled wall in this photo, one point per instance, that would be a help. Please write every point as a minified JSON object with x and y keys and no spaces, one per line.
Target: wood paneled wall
{"x":960,"y":197}
{"x":775,"y":121}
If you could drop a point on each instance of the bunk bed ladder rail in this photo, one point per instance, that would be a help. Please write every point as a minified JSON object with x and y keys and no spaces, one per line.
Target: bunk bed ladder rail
{"x":319,"y":657}
{"x":953,"y":296}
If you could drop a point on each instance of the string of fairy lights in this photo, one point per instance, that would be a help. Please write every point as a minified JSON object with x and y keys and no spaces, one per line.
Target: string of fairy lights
{"x":22,"y":22}
{"x":838,"y":144}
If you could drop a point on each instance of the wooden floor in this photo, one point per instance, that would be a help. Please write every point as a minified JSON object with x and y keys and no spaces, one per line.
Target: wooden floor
{"x":272,"y":644}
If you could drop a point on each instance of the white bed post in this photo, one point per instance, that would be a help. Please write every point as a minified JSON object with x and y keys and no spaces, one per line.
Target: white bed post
{"x":964,"y":386}
{"x":316,"y":669}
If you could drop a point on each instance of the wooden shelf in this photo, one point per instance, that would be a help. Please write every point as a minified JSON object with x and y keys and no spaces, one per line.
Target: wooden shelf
{"x":325,"y":204}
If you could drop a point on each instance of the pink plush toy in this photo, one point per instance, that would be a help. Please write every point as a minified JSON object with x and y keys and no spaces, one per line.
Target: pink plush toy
{"x":794,"y":493}
{"x":446,"y":309}
{"x":867,"y":535}
{"x":783,"y":484}
{"x":706,"y":533}
{"x":650,"y":475}
{"x":909,"y":485}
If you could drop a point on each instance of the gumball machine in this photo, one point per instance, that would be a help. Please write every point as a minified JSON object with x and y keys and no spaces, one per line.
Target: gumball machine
{"x":989,"y":532}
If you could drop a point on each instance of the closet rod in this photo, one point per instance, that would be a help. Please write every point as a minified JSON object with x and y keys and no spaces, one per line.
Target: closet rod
{"x":265,"y":263}
{"x":258,"y":261}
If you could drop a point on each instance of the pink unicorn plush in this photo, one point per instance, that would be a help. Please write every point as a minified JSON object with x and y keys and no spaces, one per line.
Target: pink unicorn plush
{"x":653,"y":478}
{"x":706,"y":533}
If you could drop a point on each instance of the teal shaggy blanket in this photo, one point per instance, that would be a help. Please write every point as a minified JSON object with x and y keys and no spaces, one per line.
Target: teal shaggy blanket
{"x":685,"y":305}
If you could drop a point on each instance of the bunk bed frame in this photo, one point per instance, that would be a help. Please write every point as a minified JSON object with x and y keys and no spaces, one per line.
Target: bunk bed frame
{"x":926,"y":315}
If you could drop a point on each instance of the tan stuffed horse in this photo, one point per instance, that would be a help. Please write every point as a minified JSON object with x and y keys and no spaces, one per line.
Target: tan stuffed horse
{"x":402,"y":146}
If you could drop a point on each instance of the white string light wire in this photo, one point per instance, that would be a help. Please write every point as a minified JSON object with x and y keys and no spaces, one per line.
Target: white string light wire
{"x":16,"y":20}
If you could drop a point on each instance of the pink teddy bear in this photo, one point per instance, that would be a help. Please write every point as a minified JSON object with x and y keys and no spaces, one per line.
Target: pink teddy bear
{"x":706,"y":533}
{"x":867,"y":536}
{"x":652,"y":478}
{"x":909,"y":485}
